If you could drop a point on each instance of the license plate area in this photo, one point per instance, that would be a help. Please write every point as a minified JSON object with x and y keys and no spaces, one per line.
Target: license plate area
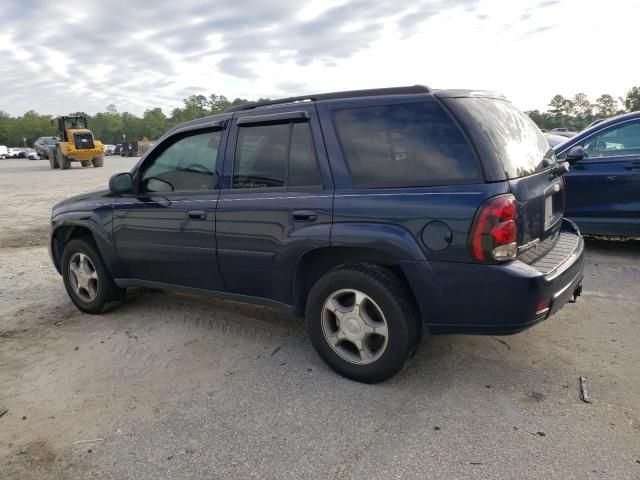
{"x":548,"y":211}
{"x":553,"y":205}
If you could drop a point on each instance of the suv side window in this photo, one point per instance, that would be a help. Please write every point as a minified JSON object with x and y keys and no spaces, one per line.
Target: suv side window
{"x":620,"y":140}
{"x":275,"y":155}
{"x":184,"y":166}
{"x":404,"y":145}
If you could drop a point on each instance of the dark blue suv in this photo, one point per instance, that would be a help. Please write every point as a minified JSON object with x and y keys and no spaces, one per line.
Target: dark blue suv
{"x":376,"y":214}
{"x":603,"y":186}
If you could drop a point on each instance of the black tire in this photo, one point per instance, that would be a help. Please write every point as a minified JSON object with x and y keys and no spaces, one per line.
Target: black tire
{"x":108,"y":296}
{"x":63,"y":161}
{"x":85,"y":163}
{"x":98,"y":161}
{"x":52,"y":161}
{"x":384,"y":288}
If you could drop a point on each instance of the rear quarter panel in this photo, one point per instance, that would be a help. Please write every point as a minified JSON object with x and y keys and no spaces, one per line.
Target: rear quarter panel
{"x":414,"y":208}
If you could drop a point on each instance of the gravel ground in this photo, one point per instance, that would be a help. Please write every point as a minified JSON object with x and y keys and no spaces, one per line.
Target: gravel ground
{"x":175,"y":386}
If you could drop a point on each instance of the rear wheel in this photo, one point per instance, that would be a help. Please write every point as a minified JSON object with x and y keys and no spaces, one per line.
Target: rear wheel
{"x":85,"y":163}
{"x":98,"y":161}
{"x":362,"y":323}
{"x":87,"y":280}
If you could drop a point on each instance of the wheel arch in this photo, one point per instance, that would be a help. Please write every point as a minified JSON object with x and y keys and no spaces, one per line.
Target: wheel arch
{"x":313,"y":264}
{"x":66,"y":229}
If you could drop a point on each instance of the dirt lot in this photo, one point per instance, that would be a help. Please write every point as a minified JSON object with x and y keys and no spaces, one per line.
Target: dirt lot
{"x":174,"y":386}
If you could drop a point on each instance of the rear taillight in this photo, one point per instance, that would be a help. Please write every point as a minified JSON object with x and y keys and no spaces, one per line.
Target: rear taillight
{"x":494,"y":232}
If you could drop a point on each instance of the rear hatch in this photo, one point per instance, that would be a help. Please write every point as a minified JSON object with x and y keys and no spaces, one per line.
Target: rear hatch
{"x":514,"y":149}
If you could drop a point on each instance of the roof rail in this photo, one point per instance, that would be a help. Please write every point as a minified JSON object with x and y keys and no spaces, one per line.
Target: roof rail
{"x":334,"y":96}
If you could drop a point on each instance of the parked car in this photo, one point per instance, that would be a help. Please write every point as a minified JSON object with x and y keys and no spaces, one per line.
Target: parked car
{"x":603,"y":186}
{"x":554,"y":139}
{"x":565,"y":132}
{"x":45,"y":146}
{"x":4,"y":151}
{"x":109,"y":149}
{"x":373,"y":213}
{"x":31,"y":154}
{"x":16,"y":152}
{"x":118,"y":149}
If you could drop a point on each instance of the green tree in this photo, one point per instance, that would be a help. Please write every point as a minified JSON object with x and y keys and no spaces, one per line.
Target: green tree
{"x":582,"y":108}
{"x":154,"y":123}
{"x":26,"y":129}
{"x":107,"y":126}
{"x":558,"y":106}
{"x":218,"y":103}
{"x":606,"y":106}
{"x":631,"y":101}
{"x":132,"y":127}
{"x":541,"y":119}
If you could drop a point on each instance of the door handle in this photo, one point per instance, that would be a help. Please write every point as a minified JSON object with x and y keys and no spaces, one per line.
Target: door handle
{"x":304,"y":216}
{"x":197,"y":214}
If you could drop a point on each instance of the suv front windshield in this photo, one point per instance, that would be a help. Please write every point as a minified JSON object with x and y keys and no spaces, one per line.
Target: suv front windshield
{"x":516,"y":139}
{"x":50,"y":141}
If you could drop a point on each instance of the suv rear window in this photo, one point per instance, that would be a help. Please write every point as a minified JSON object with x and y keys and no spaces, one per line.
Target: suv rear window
{"x":404,"y":145}
{"x":516,"y":139}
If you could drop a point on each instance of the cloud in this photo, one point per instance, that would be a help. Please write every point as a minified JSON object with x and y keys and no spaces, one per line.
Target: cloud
{"x":75,"y":54}
{"x":82,"y":55}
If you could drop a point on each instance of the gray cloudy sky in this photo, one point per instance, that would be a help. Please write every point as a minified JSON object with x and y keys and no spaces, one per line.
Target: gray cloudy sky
{"x":58,"y":56}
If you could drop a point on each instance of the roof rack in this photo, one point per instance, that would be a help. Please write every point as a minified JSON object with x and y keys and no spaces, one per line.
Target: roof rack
{"x":334,"y":96}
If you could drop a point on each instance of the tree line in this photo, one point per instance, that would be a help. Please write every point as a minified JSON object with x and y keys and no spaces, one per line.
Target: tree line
{"x":110,"y":126}
{"x":578,"y":111}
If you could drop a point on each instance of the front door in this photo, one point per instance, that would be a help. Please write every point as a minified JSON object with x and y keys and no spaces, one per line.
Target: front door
{"x":165,"y":233}
{"x":276,"y":202}
{"x":603,"y":189}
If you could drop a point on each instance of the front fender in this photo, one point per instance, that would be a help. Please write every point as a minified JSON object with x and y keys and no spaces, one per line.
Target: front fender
{"x":71,"y":224}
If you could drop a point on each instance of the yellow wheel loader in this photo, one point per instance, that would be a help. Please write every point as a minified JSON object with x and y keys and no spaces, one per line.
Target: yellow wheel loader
{"x":76,"y":144}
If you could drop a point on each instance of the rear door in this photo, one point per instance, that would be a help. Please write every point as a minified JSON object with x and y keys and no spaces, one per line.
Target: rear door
{"x":276,"y":202}
{"x":603,"y":189}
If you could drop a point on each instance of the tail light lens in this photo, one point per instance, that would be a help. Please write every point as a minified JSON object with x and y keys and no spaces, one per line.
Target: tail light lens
{"x":494,"y":232}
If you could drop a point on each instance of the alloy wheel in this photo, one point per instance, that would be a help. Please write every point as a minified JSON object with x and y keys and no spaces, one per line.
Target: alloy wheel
{"x":354,"y":326}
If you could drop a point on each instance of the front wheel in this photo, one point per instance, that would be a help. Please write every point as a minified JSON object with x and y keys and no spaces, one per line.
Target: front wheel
{"x":63,"y":161}
{"x":98,"y":161}
{"x":85,"y":163}
{"x":362,"y":322}
{"x":52,"y":161}
{"x":87,"y":280}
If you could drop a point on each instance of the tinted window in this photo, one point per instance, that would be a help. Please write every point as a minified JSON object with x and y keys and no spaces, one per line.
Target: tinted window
{"x":517,"y":141}
{"x":303,"y":165}
{"x":263,"y":153}
{"x":621,"y":140}
{"x":404,"y":145}
{"x":186,"y":165}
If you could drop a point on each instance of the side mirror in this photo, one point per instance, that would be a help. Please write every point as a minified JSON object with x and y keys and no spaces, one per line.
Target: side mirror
{"x":121,"y":183}
{"x":575,"y":154}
